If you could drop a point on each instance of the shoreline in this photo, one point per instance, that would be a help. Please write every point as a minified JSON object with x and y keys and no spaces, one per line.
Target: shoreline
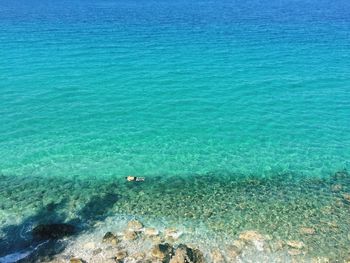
{"x":211,"y":212}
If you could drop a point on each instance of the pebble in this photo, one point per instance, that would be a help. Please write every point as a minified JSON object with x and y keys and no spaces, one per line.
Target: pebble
{"x":75,"y":260}
{"x":295,"y":244}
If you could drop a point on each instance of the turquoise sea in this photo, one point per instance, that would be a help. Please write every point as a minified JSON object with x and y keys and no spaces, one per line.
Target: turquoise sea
{"x":218,"y":104}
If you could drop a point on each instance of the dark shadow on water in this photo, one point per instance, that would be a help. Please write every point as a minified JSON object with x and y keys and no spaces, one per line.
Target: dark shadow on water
{"x":19,"y":238}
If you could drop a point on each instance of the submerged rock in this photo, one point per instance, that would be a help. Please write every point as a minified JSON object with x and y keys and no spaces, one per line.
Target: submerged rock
{"x":307,"y":231}
{"x":54,"y":231}
{"x":184,"y":254}
{"x":135,"y":225}
{"x":121,"y":255}
{"x":110,"y":238}
{"x":162,"y":252}
{"x":76,"y":260}
{"x":346,"y":196}
{"x":251,"y":235}
{"x":130,"y":235}
{"x":295,"y":244}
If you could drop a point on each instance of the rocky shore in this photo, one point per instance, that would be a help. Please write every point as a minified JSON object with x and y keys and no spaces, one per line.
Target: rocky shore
{"x":138,"y":243}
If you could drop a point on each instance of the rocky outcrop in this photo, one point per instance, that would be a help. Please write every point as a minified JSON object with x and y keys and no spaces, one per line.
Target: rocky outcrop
{"x":162,"y":252}
{"x":184,"y":254}
{"x":110,"y":238}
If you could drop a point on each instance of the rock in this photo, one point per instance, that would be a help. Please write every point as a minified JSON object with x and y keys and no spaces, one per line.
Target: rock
{"x":75,"y":260}
{"x":295,"y":244}
{"x":135,"y":225}
{"x":294,"y":252}
{"x":307,"y":231}
{"x":172,"y":233}
{"x":53,"y":231}
{"x":130,"y":235}
{"x":121,"y":255}
{"x":238,"y":244}
{"x":232,"y":253}
{"x":276,"y":245}
{"x":151,"y":232}
{"x":184,"y":254}
{"x":336,"y":187}
{"x":217,"y":256}
{"x":162,"y":252}
{"x":346,"y":196}
{"x":110,"y":238}
{"x":251,"y":235}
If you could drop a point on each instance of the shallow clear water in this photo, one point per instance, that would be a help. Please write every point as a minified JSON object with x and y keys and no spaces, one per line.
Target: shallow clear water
{"x":92,"y":91}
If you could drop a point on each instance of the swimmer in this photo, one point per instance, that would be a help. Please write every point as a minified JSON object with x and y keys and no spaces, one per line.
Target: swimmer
{"x":135,"y":179}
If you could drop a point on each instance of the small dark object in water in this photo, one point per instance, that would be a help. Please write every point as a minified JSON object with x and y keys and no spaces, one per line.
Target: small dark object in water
{"x":135,"y":179}
{"x":54,"y":231}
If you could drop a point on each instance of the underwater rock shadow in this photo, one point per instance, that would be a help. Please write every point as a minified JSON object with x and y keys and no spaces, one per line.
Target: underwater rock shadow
{"x":19,"y":244}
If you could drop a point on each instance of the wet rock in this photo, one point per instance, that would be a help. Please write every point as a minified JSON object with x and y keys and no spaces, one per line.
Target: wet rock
{"x":135,"y":225}
{"x":184,"y":254}
{"x":307,"y":231}
{"x":217,"y":256}
{"x":172,"y":233}
{"x":130,"y":235}
{"x":110,"y":238}
{"x":251,"y":235}
{"x":151,"y":232}
{"x":162,"y":252}
{"x":295,"y":244}
{"x":53,"y":231}
{"x":121,"y":255}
